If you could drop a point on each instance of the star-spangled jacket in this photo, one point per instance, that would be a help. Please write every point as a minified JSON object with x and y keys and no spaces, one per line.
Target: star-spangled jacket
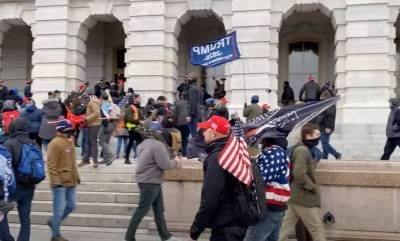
{"x":274,"y":167}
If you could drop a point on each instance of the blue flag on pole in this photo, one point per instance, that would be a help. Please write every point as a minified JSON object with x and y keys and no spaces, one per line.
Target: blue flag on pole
{"x":217,"y":52}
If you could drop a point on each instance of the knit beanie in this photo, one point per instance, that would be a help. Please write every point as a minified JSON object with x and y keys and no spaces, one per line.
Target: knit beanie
{"x":254,"y":99}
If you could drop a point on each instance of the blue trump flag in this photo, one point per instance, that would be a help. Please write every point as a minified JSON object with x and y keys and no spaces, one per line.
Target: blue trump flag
{"x":217,"y":52}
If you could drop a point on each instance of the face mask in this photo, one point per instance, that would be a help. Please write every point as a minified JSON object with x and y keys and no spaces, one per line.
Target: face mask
{"x":311,"y":143}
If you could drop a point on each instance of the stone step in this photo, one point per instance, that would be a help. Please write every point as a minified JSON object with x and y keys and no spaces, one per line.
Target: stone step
{"x":115,"y":178}
{"x":90,"y":208}
{"x":86,"y":220}
{"x":104,"y":197}
{"x":99,"y":187}
{"x":116,"y":168}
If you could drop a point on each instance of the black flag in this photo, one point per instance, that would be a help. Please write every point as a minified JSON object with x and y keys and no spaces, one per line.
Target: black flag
{"x":281,"y":121}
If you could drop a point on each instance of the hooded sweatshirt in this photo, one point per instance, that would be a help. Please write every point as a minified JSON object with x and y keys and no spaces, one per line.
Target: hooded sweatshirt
{"x":51,"y":112}
{"x":18,"y":136}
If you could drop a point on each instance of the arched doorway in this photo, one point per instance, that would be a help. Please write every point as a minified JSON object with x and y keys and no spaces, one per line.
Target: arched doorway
{"x":306,"y":47}
{"x":200,"y":26}
{"x":16,"y":56}
{"x":105,"y":51}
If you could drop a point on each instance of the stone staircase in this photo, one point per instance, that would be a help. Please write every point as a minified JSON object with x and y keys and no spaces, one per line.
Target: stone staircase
{"x":107,"y":198}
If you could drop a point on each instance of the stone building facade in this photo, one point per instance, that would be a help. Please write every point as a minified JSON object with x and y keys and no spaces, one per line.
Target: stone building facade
{"x":60,"y":43}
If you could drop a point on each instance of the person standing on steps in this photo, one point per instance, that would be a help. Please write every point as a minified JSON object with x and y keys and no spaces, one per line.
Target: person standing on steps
{"x":311,"y":90}
{"x":63,"y":176}
{"x":134,"y":117}
{"x":94,"y":122}
{"x":195,"y":104}
{"x":392,"y":129}
{"x":153,"y":160}
{"x":326,"y":122}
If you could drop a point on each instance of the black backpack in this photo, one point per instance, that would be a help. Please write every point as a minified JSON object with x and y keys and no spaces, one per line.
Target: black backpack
{"x":249,"y":201}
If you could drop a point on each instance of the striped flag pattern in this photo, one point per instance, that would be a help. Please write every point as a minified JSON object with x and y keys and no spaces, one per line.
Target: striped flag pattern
{"x":234,"y":158}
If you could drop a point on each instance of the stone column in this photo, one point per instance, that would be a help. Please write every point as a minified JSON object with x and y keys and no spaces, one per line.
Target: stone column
{"x":55,"y":60}
{"x":3,"y":29}
{"x":146,"y":71}
{"x":367,"y":86}
{"x":255,"y":71}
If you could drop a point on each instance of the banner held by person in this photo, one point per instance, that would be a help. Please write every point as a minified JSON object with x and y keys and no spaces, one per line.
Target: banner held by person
{"x":283,"y":120}
{"x":217,"y":52}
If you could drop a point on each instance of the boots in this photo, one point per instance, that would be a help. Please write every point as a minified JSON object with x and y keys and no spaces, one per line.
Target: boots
{"x":127,"y":161}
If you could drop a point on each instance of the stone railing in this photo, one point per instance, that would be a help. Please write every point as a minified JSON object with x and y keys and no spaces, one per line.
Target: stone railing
{"x":363,"y":196}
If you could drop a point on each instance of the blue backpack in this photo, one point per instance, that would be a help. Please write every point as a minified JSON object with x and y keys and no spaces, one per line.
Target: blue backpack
{"x":7,"y":177}
{"x":31,"y":169}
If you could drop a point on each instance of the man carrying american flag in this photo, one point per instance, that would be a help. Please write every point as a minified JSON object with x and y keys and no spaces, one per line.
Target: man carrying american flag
{"x":227,"y":162}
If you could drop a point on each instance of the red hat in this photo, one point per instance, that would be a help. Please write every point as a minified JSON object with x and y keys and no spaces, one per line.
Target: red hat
{"x":29,"y":81}
{"x":1,"y":81}
{"x":310,"y":77}
{"x":218,"y":123}
{"x":82,"y":86}
{"x":265,"y":106}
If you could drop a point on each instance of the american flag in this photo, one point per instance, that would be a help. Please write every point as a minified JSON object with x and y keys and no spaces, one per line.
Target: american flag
{"x":234,"y":158}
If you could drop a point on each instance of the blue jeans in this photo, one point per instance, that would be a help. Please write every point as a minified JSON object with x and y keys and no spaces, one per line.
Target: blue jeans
{"x":267,"y":228}
{"x":23,"y":196}
{"x":84,"y":138}
{"x":64,"y":202}
{"x":326,"y":147}
{"x":193,"y":127}
{"x":120,"y":140}
{"x":45,"y":143}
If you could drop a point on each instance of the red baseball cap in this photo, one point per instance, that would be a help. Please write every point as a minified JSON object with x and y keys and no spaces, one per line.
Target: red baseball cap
{"x":218,"y":123}
{"x":310,"y":77}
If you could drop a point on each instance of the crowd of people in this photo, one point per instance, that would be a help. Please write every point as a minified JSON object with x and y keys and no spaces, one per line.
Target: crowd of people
{"x":160,"y":134}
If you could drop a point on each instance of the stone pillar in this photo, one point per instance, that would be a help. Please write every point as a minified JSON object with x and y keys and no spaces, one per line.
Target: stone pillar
{"x":146,"y":71}
{"x":55,"y":60}
{"x":3,"y":29}
{"x":255,"y":71}
{"x":366,"y":86}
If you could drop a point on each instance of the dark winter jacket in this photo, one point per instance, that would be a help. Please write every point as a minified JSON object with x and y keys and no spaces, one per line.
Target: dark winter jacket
{"x":13,"y":95}
{"x":181,"y":112}
{"x":217,"y":194}
{"x":196,"y":103}
{"x":51,"y":112}
{"x":287,"y":95}
{"x":3,"y":92}
{"x":34,"y":115}
{"x":311,"y":91}
{"x":18,"y":136}
{"x":327,"y":118}
{"x":393,"y":124}
{"x":27,"y":91}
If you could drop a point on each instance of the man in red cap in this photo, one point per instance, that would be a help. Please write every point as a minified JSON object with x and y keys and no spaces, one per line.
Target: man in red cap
{"x":215,"y":210}
{"x":311,"y":90}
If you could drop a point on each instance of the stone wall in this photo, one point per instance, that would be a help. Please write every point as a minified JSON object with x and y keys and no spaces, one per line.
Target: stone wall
{"x":362,"y":196}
